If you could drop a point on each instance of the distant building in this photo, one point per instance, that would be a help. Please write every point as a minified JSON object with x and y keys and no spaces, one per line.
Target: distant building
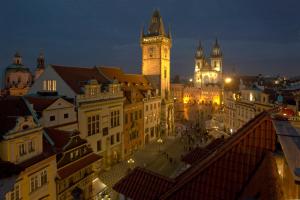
{"x":208,"y":76}
{"x":18,"y":78}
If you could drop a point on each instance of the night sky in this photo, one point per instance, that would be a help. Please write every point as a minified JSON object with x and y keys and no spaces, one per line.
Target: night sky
{"x":256,"y":36}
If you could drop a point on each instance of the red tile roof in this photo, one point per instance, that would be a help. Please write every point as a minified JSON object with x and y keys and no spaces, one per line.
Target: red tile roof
{"x":77,"y":77}
{"x":77,"y":165}
{"x":59,"y":137}
{"x":223,"y":174}
{"x":40,"y":104}
{"x":147,"y":184}
{"x":10,"y":109}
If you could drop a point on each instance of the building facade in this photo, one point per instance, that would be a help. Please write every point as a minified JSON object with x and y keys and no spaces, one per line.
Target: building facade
{"x":21,"y":143}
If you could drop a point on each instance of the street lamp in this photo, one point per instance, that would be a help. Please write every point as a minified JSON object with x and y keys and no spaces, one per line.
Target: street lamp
{"x":130,"y":161}
{"x":159,"y":141}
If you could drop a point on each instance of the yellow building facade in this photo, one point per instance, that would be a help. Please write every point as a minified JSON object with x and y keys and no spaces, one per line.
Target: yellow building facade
{"x":21,"y":144}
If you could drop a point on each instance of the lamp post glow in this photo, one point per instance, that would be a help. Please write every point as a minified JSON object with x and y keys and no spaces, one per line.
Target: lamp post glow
{"x":130,"y":161}
{"x":228,"y":80}
{"x":159,"y":141}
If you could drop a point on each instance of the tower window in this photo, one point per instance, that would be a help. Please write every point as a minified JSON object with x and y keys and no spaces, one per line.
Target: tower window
{"x":165,"y":73}
{"x":151,"y":52}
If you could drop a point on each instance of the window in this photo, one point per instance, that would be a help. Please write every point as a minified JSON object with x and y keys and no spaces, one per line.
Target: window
{"x":22,"y":149}
{"x":99,"y":145}
{"x":44,"y":178}
{"x":131,"y":117}
{"x":152,"y":132}
{"x":140,"y":113}
{"x":105,"y":131}
{"x":31,"y":146}
{"x":52,"y":118}
{"x":136,"y":115}
{"x":93,"y":125}
{"x":118,"y":137}
{"x":49,"y":85}
{"x":15,"y":193}
{"x":34,"y":183}
{"x":151,"y":107}
{"x":154,"y":105}
{"x":146,"y":107}
{"x":151,"y":50}
{"x":112,"y":140}
{"x":126,"y":118}
{"x":66,"y":115}
{"x":165,"y":73}
{"x":114,"y":118}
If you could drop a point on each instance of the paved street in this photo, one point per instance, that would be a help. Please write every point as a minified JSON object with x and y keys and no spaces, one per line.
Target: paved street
{"x":151,"y":158}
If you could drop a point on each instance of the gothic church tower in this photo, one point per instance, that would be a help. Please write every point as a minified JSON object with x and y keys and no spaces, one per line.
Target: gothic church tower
{"x":156,"y":45}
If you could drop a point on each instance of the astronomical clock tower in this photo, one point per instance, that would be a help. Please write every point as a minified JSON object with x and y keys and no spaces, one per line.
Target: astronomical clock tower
{"x":156,"y":45}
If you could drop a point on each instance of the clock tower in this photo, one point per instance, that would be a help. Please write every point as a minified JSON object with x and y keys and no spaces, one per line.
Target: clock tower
{"x":156,"y":45}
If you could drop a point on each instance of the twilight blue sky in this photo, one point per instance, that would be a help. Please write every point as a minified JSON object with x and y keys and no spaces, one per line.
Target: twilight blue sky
{"x":256,"y":36}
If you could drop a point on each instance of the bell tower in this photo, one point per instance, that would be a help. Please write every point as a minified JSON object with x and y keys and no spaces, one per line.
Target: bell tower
{"x":156,"y":45}
{"x":199,"y":64}
{"x":216,"y":57}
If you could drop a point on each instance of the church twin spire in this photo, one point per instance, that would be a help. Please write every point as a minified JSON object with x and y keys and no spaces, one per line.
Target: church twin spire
{"x":216,"y":51}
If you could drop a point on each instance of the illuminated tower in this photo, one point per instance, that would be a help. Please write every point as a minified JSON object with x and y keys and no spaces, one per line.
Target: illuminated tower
{"x":156,"y":45}
{"x":199,"y":64}
{"x":216,"y":57}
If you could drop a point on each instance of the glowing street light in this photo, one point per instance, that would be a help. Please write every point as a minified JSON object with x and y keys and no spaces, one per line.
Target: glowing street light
{"x":130,"y":161}
{"x":191,"y":80}
{"x":228,"y":80}
{"x":159,"y":141}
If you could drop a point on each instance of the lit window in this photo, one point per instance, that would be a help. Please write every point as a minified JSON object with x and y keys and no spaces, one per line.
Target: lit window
{"x":49,"y":85}
{"x":93,"y":125}
{"x":114,"y":118}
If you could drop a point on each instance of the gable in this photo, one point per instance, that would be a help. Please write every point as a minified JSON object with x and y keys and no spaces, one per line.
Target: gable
{"x":59,"y":104}
{"x":62,"y":88}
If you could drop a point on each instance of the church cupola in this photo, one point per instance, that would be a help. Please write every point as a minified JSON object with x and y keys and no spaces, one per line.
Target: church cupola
{"x":216,"y":51}
{"x":17,"y":59}
{"x":199,"y":52}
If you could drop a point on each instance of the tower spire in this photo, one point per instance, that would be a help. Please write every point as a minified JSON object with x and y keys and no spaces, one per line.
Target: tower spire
{"x":199,"y":52}
{"x":41,"y":60}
